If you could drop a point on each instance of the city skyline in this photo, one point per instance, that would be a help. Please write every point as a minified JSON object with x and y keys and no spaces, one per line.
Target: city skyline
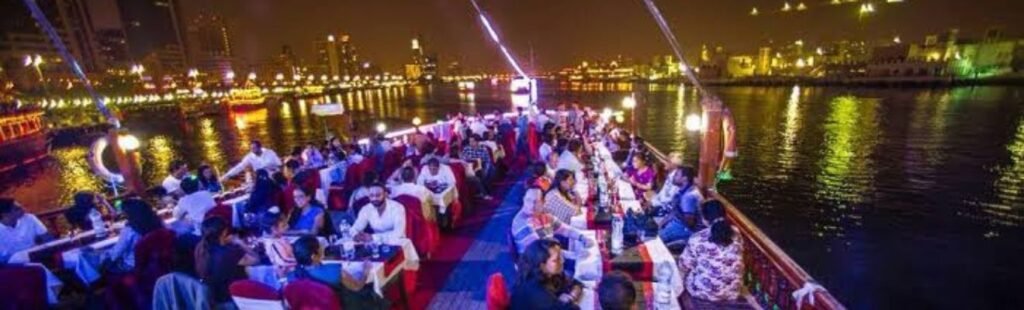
{"x":383,"y":30}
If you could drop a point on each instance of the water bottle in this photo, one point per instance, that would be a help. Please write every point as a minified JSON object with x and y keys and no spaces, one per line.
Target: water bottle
{"x":98,"y":225}
{"x":617,"y":225}
{"x":343,"y":229}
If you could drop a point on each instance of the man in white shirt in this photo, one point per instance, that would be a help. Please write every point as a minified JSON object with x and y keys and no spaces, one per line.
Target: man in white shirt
{"x":477,"y":126}
{"x":385,"y":217}
{"x":192,"y":208}
{"x":435,"y":174}
{"x":19,"y":231}
{"x":411,"y":188}
{"x":669,"y":189}
{"x":546,"y":147}
{"x":172,"y":183}
{"x":258,"y":158}
{"x":568,"y":160}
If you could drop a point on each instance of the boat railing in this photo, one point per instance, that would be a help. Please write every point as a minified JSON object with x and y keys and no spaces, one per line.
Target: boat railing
{"x":771,"y":277}
{"x":20,"y":125}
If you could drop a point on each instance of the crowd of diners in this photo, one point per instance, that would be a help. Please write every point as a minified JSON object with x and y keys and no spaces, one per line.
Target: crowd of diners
{"x":286,"y":214}
{"x":710,"y":249}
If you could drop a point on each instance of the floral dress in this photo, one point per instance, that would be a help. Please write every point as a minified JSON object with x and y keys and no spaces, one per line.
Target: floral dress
{"x":715,"y":271}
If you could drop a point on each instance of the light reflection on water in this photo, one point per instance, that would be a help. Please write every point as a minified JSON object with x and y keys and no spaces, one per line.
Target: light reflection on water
{"x":884,"y":195}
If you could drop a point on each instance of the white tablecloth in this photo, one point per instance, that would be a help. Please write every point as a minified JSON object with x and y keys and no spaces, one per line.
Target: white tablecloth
{"x":590,"y":270}
{"x":377,"y":277}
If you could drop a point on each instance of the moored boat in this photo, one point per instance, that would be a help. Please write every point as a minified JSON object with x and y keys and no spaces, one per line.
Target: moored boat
{"x":23,"y":139}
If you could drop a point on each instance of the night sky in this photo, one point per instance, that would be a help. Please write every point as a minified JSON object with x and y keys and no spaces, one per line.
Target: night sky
{"x":562,"y":32}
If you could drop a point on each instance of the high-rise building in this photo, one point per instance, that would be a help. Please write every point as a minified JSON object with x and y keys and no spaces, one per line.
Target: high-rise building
{"x":336,"y":56}
{"x":153,"y":30}
{"x":113,"y":47}
{"x":209,"y":44}
{"x":21,"y":35}
{"x":763,"y":64}
{"x":423,"y":66}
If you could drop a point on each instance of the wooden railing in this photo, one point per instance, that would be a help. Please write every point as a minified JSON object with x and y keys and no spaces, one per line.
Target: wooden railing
{"x":770,"y":275}
{"x":16,"y":126}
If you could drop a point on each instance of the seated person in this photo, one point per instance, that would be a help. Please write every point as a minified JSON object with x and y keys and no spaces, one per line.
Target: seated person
{"x":561,"y":200}
{"x":191,"y":208}
{"x":682,"y":216}
{"x":436,"y":176}
{"x":141,"y":219}
{"x":208,"y":179}
{"x":277,"y":249}
{"x":411,"y":188}
{"x":569,"y":159}
{"x":368,"y":180}
{"x":542,"y":283}
{"x":385,"y":217}
{"x":533,"y":223}
{"x":669,"y":189}
{"x":641,"y":177}
{"x":616,"y":291}
{"x":177,"y":171}
{"x":395,"y":177}
{"x":221,"y":258}
{"x":86,"y":209}
{"x":18,"y":230}
{"x":349,"y":286}
{"x":713,"y":259}
{"x":308,"y":217}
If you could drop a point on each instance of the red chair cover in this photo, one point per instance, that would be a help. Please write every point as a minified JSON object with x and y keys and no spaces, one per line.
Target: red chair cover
{"x":508,"y":142}
{"x":424,"y":234}
{"x":221,"y":211}
{"x":393,"y":160}
{"x":465,"y":193}
{"x":23,"y":287}
{"x":533,"y":142}
{"x":253,"y":290}
{"x":336,"y":199}
{"x":154,"y":257}
{"x":310,"y":295}
{"x":497,"y":293}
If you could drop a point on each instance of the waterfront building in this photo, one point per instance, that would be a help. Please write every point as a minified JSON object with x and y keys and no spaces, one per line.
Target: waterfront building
{"x":209,"y":45}
{"x":763,"y":66}
{"x":423,"y":66}
{"x":21,"y":37}
{"x":113,"y":47}
{"x":740,"y":66}
{"x":991,"y":56}
{"x":153,"y":31}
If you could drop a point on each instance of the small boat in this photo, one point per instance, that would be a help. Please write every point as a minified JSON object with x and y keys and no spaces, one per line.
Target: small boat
{"x":245,"y":98}
{"x":23,"y":139}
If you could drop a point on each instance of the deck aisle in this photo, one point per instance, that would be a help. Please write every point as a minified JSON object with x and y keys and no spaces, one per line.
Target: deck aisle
{"x":457,"y":277}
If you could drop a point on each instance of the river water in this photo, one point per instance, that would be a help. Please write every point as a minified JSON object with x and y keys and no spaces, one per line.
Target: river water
{"x":889,"y":197}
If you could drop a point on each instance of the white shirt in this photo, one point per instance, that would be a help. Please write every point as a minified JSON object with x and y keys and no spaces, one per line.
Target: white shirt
{"x":266,"y":160}
{"x":569,"y":162}
{"x":415,"y":190}
{"x":20,"y":237}
{"x":544,"y":151}
{"x":668,"y":190}
{"x":171,"y":184}
{"x":390,"y":226}
{"x":444,"y":176}
{"x":477,"y":127}
{"x":193,"y":207}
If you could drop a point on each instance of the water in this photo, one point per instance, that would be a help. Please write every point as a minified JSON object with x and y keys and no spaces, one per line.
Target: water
{"x":889,"y":197}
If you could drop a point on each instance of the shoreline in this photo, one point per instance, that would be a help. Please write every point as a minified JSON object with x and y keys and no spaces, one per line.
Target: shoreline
{"x":879,"y":82}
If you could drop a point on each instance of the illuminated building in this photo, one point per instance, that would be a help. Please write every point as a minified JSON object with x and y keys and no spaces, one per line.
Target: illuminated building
{"x":209,"y":44}
{"x":423,"y":66}
{"x":739,"y":66}
{"x":154,"y":34}
{"x":21,"y":36}
{"x":336,"y":56}
{"x":763,"y":66}
{"x":113,"y":47}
